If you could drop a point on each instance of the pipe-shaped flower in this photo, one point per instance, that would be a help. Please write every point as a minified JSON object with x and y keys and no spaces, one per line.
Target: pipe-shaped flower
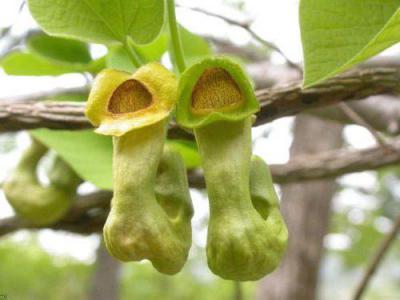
{"x":246,"y":234}
{"x":214,"y":89}
{"x":151,"y":208}
{"x":120,"y":102}
{"x":41,"y":205}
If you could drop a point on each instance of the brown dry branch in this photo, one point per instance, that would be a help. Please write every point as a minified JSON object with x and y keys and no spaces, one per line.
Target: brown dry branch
{"x":275,"y":102}
{"x":381,"y":112}
{"x":326,"y":165}
{"x":86,"y":216}
{"x":359,"y":120}
{"x":377,"y":259}
{"x":289,"y":100}
{"x":90,"y":211}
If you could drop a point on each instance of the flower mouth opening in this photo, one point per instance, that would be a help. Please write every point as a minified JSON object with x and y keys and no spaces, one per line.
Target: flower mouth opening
{"x":131,"y":96}
{"x":216,"y":90}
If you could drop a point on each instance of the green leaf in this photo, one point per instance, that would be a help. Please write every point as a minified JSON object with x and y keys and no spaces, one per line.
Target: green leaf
{"x":29,"y":64}
{"x":59,"y":49}
{"x":194,"y":46}
{"x":117,"y":57}
{"x":90,"y":154}
{"x":188,"y":150}
{"x":155,"y":50}
{"x":97,"y":65}
{"x":100,"y":21}
{"x":339,"y":34}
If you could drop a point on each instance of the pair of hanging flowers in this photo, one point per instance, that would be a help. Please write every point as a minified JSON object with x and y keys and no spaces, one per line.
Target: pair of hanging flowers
{"x":151,"y":208}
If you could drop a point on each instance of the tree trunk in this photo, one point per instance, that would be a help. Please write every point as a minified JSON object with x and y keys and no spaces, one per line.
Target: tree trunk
{"x":306,"y":210}
{"x":105,"y":281}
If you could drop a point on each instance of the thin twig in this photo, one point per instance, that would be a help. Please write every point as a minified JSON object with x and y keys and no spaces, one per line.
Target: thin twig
{"x":357,"y":119}
{"x":6,"y":32}
{"x":218,"y":16}
{"x":238,"y":291}
{"x":21,"y":7}
{"x":377,"y":259}
{"x":247,"y":26}
{"x":274,"y":47}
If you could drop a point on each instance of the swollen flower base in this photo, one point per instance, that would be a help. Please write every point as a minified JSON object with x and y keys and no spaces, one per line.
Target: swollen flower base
{"x":246,"y":235}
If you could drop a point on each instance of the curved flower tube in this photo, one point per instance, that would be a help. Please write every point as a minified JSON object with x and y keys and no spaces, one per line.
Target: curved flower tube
{"x":246,"y":234}
{"x":41,"y":205}
{"x":151,"y":208}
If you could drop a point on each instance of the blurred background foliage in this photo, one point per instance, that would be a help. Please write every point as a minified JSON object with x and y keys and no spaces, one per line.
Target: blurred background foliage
{"x":29,"y":272}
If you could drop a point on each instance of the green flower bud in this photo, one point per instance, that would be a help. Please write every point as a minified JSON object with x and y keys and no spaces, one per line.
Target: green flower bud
{"x":40,"y":205}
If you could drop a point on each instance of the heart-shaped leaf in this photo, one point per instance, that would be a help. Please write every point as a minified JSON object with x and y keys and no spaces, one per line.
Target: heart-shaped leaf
{"x":339,"y":34}
{"x":89,"y":154}
{"x":194,"y":46}
{"x":118,"y":58}
{"x":49,"y":55}
{"x":59,"y":49}
{"x":29,"y":64}
{"x":100,"y":21}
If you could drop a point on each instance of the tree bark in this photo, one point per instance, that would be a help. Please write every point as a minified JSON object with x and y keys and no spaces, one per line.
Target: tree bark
{"x":105,"y":281}
{"x":275,"y":102}
{"x":306,"y":209}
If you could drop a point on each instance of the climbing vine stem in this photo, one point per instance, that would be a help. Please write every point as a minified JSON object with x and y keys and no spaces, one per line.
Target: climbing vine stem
{"x":132,"y":53}
{"x":176,"y":43}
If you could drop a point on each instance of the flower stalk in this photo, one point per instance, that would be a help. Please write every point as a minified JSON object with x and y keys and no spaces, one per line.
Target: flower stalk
{"x":176,"y":43}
